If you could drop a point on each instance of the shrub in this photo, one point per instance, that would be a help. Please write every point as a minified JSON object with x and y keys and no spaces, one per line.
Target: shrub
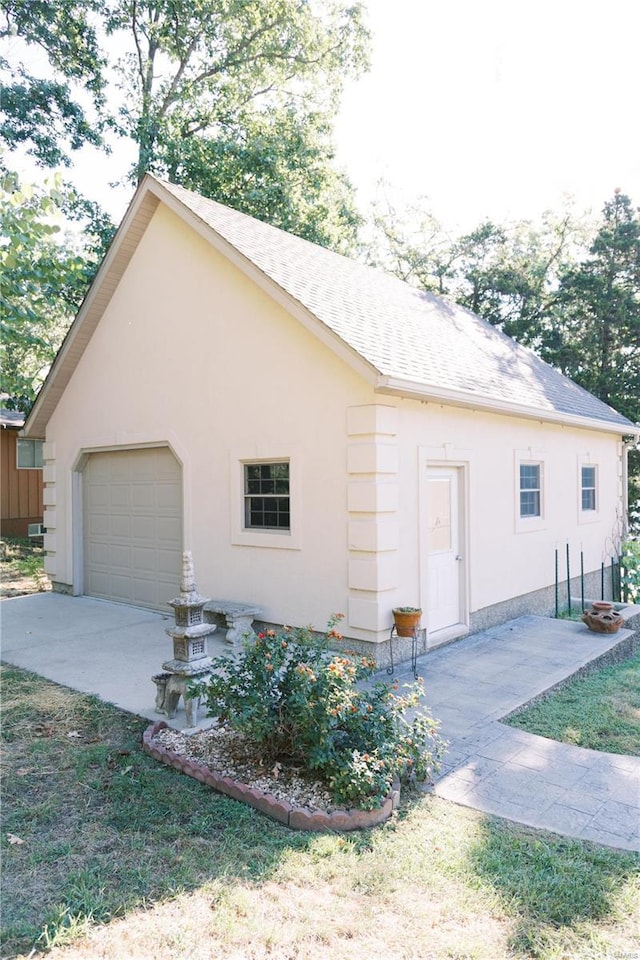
{"x":299,"y":701}
{"x":630,"y":570}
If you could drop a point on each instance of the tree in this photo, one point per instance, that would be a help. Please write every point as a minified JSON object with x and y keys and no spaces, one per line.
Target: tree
{"x":233,"y":98}
{"x":44,"y":113}
{"x":236,"y":100}
{"x":596,"y":312}
{"x":44,"y":277}
{"x":595,"y":337}
{"x":276,"y":168}
{"x":506,"y":274}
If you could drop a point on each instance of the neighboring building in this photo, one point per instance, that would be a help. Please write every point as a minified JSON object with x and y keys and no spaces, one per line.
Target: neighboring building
{"x":321,"y":436}
{"x":20,"y":477}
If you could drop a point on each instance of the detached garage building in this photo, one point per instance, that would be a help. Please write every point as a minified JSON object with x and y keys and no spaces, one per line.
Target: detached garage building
{"x":322,"y":436}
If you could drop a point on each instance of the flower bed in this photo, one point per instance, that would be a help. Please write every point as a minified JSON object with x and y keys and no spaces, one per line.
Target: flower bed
{"x":293,"y":816}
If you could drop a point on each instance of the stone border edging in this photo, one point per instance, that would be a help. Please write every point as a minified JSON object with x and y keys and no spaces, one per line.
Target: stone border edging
{"x":297,"y":818}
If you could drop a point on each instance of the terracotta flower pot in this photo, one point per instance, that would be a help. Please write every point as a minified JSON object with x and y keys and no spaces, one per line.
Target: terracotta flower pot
{"x":406,"y":620}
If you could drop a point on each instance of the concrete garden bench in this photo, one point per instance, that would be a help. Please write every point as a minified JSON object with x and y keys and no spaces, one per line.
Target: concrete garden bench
{"x":236,"y":617}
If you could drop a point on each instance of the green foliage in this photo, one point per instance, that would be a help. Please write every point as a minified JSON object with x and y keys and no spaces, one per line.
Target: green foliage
{"x":630,"y":570}
{"x":217,"y":59}
{"x":44,"y":277}
{"x":296,"y":699}
{"x":276,"y":167}
{"x":596,"y":313}
{"x":45,"y":113}
{"x":505,"y":273}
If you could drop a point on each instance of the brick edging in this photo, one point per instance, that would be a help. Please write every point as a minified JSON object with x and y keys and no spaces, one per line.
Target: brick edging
{"x":297,"y":818}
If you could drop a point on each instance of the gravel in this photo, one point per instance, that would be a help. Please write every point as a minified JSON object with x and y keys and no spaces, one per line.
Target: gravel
{"x":229,"y":753}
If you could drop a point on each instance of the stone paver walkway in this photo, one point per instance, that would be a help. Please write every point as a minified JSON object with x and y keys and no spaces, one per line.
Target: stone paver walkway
{"x":472,"y":684}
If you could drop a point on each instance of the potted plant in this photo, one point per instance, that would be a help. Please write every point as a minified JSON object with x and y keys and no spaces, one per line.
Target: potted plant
{"x":407,"y":620}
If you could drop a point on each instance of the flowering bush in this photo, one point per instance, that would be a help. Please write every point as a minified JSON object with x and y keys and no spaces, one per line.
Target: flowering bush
{"x":298,"y":700}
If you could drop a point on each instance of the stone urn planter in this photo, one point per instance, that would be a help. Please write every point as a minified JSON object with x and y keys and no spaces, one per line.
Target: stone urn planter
{"x":406,"y":620}
{"x":602,"y":618}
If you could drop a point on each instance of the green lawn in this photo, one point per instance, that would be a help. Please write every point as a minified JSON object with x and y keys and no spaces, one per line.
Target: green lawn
{"x":107,"y":853}
{"x":600,"y":710}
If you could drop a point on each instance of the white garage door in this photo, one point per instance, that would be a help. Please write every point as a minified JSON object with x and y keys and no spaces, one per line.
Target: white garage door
{"x":132,"y":503}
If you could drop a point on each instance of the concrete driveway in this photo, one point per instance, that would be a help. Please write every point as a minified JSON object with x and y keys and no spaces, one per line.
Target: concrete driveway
{"x":108,"y":649}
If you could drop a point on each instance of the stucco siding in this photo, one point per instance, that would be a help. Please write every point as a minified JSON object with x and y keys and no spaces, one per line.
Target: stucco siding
{"x":192,"y":354}
{"x":503,"y":557}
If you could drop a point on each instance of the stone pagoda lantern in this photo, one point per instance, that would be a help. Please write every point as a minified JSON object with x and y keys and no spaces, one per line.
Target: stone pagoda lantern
{"x":191,"y":660}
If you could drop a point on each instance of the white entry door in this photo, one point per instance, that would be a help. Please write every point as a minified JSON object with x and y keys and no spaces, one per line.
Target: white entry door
{"x":444,"y":563}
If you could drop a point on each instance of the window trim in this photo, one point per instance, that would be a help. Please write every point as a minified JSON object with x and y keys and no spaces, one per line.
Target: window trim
{"x":241,"y":535}
{"x":587,"y":515}
{"x":28,"y":440}
{"x":529,"y":524}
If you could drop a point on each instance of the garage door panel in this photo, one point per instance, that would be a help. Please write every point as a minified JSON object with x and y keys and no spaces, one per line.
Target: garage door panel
{"x":99,"y":583}
{"x":99,"y":525}
{"x":165,"y":562}
{"x":168,"y":529}
{"x":145,"y":592}
{"x":120,"y":527}
{"x":144,"y":496}
{"x":120,"y":497}
{"x":133,"y":526}
{"x":97,"y":495}
{"x":145,"y":529}
{"x":169,"y":498}
{"x":120,"y":557}
{"x":98,"y":553}
{"x":120,"y":588}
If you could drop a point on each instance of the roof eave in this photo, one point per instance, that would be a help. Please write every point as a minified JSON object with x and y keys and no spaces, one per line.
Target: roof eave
{"x":462,"y":398}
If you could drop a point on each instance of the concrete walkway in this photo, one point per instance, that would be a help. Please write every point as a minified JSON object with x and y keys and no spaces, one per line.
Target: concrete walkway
{"x":471,"y":685}
{"x":112,"y":650}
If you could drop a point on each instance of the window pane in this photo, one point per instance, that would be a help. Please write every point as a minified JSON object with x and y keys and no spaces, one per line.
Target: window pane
{"x":29,"y":454}
{"x":530,"y":503}
{"x":588,"y":488}
{"x":529,"y":476}
{"x":266,"y":488}
{"x":588,"y":477}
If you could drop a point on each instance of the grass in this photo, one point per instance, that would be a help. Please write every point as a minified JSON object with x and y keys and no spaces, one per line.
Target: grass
{"x":600,"y":710}
{"x":122,"y":857}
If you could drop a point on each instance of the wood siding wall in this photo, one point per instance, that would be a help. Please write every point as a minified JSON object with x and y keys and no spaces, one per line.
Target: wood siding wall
{"x":20,"y":490}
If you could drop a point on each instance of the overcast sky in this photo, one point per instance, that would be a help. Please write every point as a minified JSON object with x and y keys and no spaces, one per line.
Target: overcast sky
{"x":490,"y":108}
{"x":498,"y":107}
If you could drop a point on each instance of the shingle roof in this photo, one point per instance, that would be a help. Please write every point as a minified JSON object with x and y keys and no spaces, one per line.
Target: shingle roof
{"x":404,"y":341}
{"x":403,"y":333}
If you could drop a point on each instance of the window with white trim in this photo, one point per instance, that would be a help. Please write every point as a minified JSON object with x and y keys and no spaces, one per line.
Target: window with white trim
{"x":530,"y":490}
{"x":29,"y":454}
{"x":267,"y":496}
{"x":588,"y":488}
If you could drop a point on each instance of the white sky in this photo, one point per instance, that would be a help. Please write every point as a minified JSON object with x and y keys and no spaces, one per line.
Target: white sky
{"x":496,"y":108}
{"x":490,"y":108}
